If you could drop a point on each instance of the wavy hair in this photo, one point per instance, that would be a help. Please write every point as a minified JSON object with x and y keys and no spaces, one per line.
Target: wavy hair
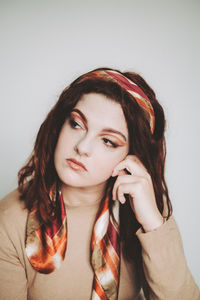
{"x":36,"y":178}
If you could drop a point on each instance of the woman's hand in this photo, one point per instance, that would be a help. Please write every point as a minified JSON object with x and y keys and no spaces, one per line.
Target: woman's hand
{"x":140,"y":189}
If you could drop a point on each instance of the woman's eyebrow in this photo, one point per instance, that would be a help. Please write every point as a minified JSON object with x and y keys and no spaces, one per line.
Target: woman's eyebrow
{"x":81,"y":114}
{"x":111,"y":130}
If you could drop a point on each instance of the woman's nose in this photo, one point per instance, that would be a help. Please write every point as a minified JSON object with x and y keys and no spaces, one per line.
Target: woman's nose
{"x":83,"y":147}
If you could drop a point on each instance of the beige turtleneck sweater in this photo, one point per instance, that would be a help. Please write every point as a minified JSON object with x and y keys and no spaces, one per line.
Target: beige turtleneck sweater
{"x":164,"y":264}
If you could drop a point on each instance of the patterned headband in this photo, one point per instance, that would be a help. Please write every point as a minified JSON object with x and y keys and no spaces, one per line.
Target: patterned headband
{"x":132,"y":88}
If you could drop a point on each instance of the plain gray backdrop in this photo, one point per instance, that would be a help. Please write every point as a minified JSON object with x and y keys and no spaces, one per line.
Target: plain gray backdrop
{"x":47,"y":44}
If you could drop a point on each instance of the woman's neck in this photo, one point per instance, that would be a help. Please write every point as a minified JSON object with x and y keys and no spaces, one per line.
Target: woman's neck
{"x":82,"y":196}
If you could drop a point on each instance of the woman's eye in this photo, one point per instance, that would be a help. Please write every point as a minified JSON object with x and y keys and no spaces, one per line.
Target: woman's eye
{"x":74,"y":124}
{"x":109,"y":143}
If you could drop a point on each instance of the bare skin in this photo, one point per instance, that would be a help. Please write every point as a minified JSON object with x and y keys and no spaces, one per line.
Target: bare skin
{"x":140,"y":189}
{"x":96,"y":137}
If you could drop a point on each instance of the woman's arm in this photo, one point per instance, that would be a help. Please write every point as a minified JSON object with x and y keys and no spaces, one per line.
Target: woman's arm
{"x":164,"y":265}
{"x":12,"y":273}
{"x":13,"y":281}
{"x":165,"y":269}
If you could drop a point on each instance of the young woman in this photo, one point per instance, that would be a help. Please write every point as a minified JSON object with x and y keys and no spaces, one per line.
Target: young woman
{"x":91,"y":218}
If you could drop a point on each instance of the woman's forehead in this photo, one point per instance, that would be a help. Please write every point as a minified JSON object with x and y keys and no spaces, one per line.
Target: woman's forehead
{"x":102,"y":111}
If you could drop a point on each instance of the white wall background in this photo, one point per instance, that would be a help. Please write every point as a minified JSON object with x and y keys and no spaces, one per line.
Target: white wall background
{"x":47,"y":44}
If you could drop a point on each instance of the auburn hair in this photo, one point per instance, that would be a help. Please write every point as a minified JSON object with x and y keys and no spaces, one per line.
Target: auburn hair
{"x":36,"y":178}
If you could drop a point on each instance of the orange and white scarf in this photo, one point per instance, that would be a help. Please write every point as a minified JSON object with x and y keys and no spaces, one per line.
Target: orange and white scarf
{"x":46,"y":247}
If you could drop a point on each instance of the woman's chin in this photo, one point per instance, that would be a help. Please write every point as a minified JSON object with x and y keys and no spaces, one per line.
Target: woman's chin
{"x":73,"y":182}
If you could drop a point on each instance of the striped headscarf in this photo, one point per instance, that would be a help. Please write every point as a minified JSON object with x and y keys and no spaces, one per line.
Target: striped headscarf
{"x":132,"y":88}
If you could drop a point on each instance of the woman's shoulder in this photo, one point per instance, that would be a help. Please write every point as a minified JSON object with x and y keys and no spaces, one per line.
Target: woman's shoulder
{"x":12,"y":209}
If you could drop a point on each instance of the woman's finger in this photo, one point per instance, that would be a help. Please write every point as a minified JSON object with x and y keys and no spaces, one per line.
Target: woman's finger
{"x":123,"y":179}
{"x":132,"y":164}
{"x":125,"y":188}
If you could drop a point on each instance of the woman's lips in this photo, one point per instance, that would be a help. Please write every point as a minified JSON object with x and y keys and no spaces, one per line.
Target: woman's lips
{"x":76,"y":165}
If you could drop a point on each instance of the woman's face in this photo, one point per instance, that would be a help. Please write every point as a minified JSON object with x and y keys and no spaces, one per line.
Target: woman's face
{"x":91,"y":142}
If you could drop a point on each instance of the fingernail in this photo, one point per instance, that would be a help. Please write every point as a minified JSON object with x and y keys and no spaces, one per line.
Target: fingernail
{"x":123,"y":200}
{"x":113,"y":174}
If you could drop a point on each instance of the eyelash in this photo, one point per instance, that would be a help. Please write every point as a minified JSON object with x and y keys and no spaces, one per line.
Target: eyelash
{"x":73,"y":124}
{"x":113,"y":145}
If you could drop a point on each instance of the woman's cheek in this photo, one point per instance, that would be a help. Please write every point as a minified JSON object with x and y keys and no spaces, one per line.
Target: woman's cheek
{"x":108,"y":166}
